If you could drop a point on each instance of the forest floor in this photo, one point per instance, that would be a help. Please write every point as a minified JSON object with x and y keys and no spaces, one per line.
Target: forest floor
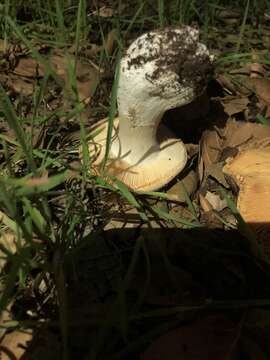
{"x":91,"y":269}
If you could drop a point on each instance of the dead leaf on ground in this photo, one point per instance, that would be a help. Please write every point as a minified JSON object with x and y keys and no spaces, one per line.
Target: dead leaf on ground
{"x":91,"y":50}
{"x":210,"y":220}
{"x":22,"y":80}
{"x":228,"y":83}
{"x":187,"y":184}
{"x":181,"y":212}
{"x":104,"y":12}
{"x":14,"y":344}
{"x":2,"y":45}
{"x":261,"y":88}
{"x":211,"y":338}
{"x":229,"y":16}
{"x":20,"y":85}
{"x":87,"y":76}
{"x":205,"y":204}
{"x":216,"y":202}
{"x":215,"y":171}
{"x":7,"y":241}
{"x":234,"y":105}
{"x":110,"y":40}
{"x":29,"y":67}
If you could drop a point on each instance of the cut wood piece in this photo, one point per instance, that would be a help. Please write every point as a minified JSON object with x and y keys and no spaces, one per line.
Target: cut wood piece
{"x":250,"y":169}
{"x":251,"y":162}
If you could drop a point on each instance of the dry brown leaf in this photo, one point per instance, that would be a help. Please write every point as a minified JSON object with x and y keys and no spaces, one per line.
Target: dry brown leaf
{"x":110,"y":40}
{"x":20,"y":85}
{"x":229,"y":16}
{"x":104,"y":11}
{"x":127,"y":219}
{"x":256,"y":70}
{"x":210,"y":148}
{"x":87,"y":76}
{"x":265,"y":36}
{"x":190,"y":182}
{"x":8,"y":241}
{"x":205,"y":204}
{"x":22,"y":80}
{"x":216,"y":202}
{"x":29,"y":67}
{"x":92,"y":50}
{"x":234,"y":105}
{"x":212,"y":338}
{"x":180,"y":211}
{"x":261,"y":87}
{"x":2,"y":45}
{"x":227,"y":84}
{"x":210,"y":220}
{"x":87,"y":81}
{"x":216,"y":172}
{"x":14,"y":344}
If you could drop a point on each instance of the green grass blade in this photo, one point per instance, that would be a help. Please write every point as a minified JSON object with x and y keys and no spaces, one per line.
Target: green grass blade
{"x":242,"y":28}
{"x":161,"y":13}
{"x":35,"y":53}
{"x":166,"y":216}
{"x":130,"y":198}
{"x":133,"y":20}
{"x":28,"y":187}
{"x":244,"y":228}
{"x":14,"y":124}
{"x":112,"y":111}
{"x":35,"y":215}
{"x":262,"y":120}
{"x":188,"y":201}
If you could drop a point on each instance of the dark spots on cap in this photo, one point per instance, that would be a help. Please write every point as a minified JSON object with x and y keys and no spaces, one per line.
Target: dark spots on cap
{"x":172,"y":51}
{"x":132,"y":116}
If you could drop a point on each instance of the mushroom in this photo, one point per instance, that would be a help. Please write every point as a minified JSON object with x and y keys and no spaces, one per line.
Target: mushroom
{"x":161,"y":70}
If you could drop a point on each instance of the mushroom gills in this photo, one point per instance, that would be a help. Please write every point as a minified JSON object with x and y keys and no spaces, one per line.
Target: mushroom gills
{"x":146,"y":175}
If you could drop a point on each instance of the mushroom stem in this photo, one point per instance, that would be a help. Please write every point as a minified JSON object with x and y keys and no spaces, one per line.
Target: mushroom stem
{"x":129,"y":148}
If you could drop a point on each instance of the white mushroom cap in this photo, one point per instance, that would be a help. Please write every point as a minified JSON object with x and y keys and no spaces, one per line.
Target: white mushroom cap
{"x":161,"y":70}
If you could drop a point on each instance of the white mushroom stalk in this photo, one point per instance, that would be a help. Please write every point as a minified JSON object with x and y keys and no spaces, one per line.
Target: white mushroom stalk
{"x":161,"y":70}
